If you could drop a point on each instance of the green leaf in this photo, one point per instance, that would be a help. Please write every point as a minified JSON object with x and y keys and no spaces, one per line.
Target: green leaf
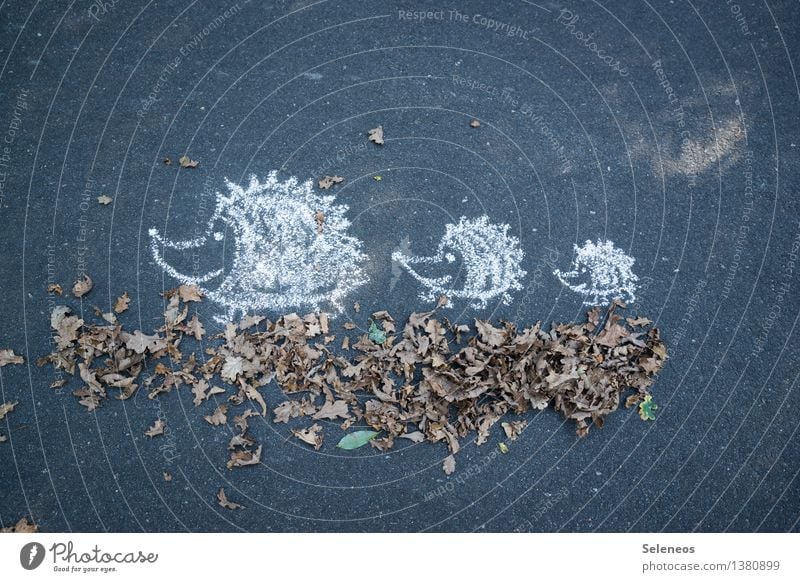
{"x":376,"y":334}
{"x":356,"y":439}
{"x":503,"y":448}
{"x":647,"y":407}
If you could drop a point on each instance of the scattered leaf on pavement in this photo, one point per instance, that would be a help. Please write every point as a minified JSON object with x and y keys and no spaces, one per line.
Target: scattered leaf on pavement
{"x":122,"y":303}
{"x":82,"y":286}
{"x":219,"y":416}
{"x":311,"y":435}
{"x":376,"y":135}
{"x":449,"y":465}
{"x":222,"y":499}
{"x":329,"y":181}
{"x":157,"y":429}
{"x":9,"y":357}
{"x":187,"y":162}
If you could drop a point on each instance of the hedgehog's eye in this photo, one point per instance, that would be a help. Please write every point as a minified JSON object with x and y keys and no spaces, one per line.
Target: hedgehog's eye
{"x":218,"y":236}
{"x":450,"y":258}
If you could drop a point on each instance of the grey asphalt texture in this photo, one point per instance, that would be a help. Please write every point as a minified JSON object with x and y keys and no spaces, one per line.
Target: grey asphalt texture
{"x":689,"y":164}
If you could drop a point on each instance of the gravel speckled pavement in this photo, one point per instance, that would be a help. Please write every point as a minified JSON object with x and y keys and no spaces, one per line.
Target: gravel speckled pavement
{"x":670,"y":129}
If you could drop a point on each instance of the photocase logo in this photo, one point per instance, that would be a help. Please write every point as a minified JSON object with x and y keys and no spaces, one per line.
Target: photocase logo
{"x":31,"y":555}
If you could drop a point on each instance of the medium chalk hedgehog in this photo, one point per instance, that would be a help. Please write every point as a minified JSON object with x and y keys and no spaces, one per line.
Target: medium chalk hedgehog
{"x":291,"y":249}
{"x":487,"y":256}
{"x":601,"y":273}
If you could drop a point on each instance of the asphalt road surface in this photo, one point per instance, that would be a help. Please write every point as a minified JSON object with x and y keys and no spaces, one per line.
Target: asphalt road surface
{"x":668,"y":128}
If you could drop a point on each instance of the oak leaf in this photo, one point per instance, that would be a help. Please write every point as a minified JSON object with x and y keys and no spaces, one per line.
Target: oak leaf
{"x":219,"y":416}
{"x":376,"y":135}
{"x":158,"y":428}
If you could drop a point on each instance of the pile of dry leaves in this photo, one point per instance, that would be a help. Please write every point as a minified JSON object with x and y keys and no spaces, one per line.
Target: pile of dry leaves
{"x":426,"y":379}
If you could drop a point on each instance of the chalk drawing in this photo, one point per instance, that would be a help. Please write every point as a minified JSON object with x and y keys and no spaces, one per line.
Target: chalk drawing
{"x":291,"y":249}
{"x":404,"y":248}
{"x":607,"y":269}
{"x":489,"y":258}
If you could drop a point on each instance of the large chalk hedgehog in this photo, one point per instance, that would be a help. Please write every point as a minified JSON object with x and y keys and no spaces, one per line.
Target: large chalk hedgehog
{"x":489,"y":259}
{"x":291,"y":249}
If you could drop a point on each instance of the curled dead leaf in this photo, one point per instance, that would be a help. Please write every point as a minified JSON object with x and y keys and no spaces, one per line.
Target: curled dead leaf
{"x":376,"y":135}
{"x":219,"y":416}
{"x":9,"y":357}
{"x":158,"y":428}
{"x":223,"y":501}
{"x":82,"y":286}
{"x":187,"y":162}
{"x":311,"y":435}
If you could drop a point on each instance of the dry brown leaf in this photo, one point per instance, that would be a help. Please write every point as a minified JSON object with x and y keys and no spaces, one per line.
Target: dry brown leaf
{"x":219,"y":416}
{"x":7,"y":407}
{"x":333,"y":410}
{"x":329,"y":181}
{"x":199,"y":390}
{"x":82,"y":286}
{"x":158,"y":428}
{"x":254,"y":395}
{"x":513,"y":429}
{"x":249,"y":321}
{"x":449,"y":465}
{"x":376,"y":135}
{"x":140,"y":343}
{"x":187,"y":162}
{"x":474,"y":123}
{"x":55,"y":289}
{"x":222,"y":500}
{"x":190,"y":293}
{"x":9,"y":357}
{"x":311,"y":435}
{"x":167,"y":476}
{"x":415,"y":436}
{"x":122,"y":303}
{"x":244,"y":458}
{"x":195,"y":328}
{"x":104,"y":200}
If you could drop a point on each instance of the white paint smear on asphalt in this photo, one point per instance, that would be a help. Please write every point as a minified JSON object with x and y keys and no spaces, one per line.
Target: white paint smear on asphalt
{"x":601,"y":273}
{"x":282,"y":259}
{"x":484,"y":252}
